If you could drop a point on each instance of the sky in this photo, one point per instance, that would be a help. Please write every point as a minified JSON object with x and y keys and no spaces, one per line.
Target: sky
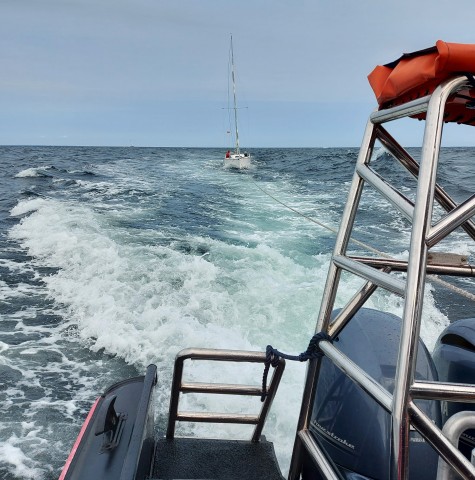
{"x":155,"y":72}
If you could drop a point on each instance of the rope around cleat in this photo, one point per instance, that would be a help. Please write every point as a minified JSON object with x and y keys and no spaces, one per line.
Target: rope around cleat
{"x":273,"y":356}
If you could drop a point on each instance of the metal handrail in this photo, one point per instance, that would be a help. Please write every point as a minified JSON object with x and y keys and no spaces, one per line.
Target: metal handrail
{"x":222,"y":389}
{"x":453,"y":429}
{"x":400,"y":405}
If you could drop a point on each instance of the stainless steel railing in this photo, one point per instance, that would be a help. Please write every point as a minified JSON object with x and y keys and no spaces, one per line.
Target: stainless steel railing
{"x":224,"y":389}
{"x":425,"y":234}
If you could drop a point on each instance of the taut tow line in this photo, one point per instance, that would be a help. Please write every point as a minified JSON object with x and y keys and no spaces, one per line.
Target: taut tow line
{"x":434,"y":278}
{"x":313,"y":220}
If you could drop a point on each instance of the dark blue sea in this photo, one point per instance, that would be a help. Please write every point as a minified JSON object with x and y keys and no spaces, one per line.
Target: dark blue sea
{"x":115,"y":258}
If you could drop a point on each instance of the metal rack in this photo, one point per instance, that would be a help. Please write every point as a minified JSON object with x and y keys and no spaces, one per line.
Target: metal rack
{"x":425,"y":234}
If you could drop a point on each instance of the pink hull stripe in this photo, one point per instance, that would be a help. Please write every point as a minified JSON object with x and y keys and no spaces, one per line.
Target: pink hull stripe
{"x":78,"y":441}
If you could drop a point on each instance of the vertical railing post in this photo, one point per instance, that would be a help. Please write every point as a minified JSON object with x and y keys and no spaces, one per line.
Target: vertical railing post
{"x":414,"y":294}
{"x":174,"y":396}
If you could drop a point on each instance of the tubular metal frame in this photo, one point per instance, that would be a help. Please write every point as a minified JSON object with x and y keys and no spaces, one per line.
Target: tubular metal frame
{"x":425,"y":234}
{"x":223,"y":389}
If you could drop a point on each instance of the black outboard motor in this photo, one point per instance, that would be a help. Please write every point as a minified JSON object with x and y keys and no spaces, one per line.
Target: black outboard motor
{"x":348,"y":424}
{"x":454,"y":357}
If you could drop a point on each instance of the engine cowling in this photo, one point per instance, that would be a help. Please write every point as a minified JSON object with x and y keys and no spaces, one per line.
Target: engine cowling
{"x":349,"y":425}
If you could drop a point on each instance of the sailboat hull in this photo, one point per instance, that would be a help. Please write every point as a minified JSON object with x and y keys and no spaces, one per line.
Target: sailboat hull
{"x":238,"y":160}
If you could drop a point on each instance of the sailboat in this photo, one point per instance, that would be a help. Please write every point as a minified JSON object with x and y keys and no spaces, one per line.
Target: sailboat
{"x":236,"y":158}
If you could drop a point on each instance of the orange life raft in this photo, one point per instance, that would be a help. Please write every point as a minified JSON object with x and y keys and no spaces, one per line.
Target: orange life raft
{"x":417,"y":74}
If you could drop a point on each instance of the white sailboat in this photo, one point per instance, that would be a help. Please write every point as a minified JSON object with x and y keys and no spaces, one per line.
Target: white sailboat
{"x":236,"y":158}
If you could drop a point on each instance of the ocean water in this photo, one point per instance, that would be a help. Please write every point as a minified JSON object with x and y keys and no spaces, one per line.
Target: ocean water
{"x":115,"y":258}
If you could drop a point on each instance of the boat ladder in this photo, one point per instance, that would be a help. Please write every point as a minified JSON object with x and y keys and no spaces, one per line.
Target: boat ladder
{"x":178,"y":386}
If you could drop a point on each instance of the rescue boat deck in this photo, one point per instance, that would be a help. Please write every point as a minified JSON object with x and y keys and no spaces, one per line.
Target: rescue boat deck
{"x":194,"y":458}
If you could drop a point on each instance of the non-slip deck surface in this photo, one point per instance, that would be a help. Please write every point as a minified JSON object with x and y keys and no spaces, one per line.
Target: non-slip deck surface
{"x":199,"y":459}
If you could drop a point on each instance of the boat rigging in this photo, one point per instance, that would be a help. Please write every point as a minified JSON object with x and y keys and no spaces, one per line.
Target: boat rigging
{"x":236,"y":158}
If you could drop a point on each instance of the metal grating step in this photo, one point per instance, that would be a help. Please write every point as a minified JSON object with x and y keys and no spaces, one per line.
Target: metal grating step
{"x":193,"y":458}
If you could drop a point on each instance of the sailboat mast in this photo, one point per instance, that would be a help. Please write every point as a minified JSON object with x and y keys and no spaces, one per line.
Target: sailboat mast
{"x":234,"y":95}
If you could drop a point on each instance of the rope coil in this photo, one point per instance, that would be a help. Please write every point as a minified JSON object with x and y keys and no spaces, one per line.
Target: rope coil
{"x":273,"y":356}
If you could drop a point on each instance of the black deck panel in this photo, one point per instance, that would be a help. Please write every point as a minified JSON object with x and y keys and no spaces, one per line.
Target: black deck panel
{"x":200,"y":459}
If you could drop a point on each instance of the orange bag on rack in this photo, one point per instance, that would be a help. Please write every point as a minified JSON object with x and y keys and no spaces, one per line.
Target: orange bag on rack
{"x":417,"y":74}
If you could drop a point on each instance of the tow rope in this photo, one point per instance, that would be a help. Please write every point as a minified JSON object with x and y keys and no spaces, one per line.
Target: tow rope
{"x":273,"y":355}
